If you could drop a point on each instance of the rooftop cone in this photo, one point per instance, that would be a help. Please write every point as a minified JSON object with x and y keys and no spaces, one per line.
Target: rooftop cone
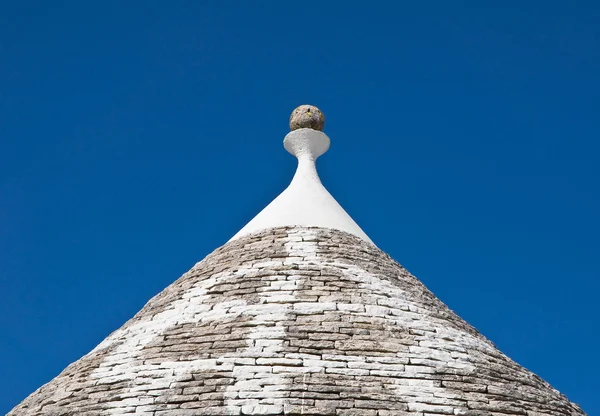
{"x":298,"y":314}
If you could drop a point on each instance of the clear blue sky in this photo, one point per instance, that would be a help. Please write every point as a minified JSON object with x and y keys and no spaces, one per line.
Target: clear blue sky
{"x":136,"y":137}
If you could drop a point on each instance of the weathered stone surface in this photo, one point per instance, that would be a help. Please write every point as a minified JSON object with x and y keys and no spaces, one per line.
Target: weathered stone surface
{"x":296,"y":321}
{"x":307,"y":116}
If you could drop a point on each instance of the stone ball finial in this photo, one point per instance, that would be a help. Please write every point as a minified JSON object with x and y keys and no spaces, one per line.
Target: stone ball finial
{"x":307,"y":116}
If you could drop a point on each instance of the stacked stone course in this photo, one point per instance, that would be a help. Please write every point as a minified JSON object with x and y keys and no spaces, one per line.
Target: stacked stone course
{"x":296,"y":321}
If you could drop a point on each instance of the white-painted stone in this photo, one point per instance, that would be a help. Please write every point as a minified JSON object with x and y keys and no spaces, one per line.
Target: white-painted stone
{"x":305,"y":202}
{"x":350,"y":337}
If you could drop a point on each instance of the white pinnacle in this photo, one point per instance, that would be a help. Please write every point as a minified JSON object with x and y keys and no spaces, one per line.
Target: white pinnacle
{"x":305,"y":202}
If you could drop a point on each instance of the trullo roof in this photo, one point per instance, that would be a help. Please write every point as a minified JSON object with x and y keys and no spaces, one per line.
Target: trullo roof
{"x":299,"y":314}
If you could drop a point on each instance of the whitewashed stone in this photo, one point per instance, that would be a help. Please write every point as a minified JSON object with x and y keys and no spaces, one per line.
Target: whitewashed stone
{"x":340,"y":330}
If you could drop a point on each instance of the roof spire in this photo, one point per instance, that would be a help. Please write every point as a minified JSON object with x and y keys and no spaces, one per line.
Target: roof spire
{"x":305,"y":202}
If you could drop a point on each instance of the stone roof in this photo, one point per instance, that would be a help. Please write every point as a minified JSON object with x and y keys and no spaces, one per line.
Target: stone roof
{"x":296,"y":321}
{"x":298,"y":314}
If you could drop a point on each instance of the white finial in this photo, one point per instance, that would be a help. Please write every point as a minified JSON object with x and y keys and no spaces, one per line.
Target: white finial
{"x":305,"y":202}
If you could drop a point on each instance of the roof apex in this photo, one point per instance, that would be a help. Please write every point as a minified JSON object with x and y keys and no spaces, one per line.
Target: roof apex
{"x":305,"y":202}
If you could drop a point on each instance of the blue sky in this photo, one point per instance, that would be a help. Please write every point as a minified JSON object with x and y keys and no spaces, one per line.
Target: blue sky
{"x":136,"y":137}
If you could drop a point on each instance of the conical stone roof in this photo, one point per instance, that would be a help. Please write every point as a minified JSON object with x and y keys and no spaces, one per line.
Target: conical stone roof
{"x":296,"y":320}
